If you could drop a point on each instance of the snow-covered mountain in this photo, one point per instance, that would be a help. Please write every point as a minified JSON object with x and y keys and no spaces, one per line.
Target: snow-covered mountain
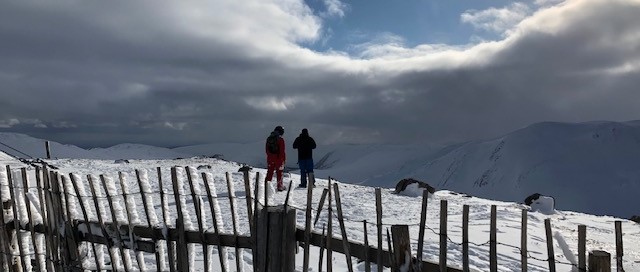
{"x":588,"y":167}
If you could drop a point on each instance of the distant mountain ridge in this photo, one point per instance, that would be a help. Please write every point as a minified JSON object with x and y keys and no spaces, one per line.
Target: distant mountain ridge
{"x":590,"y":167}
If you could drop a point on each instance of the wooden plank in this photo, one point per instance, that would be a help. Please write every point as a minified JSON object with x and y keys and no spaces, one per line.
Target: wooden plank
{"x":215,"y":219}
{"x":329,"y":230}
{"x":232,"y":201}
{"x":379,"y":226}
{"x":16,"y":219}
{"x":257,"y":209}
{"x":401,"y":247}
{"x":109,"y":243}
{"x":320,"y":205}
{"x":57,"y":213}
{"x":550,"y":254}
{"x":43,"y":213}
{"x":619,"y":250}
{"x":48,"y":149}
{"x":5,"y":240}
{"x":86,"y":218}
{"x":52,"y":220}
{"x":191,"y":237}
{"x":367,"y":263}
{"x":493,"y":242}
{"x":582,"y":247}
{"x":114,"y":219}
{"x":286,"y":199}
{"x":465,"y":238}
{"x":423,"y":220}
{"x":165,"y":219}
{"x":248,"y":197}
{"x":323,"y":243}
{"x":147,"y":213}
{"x":523,"y":241}
{"x":307,"y":226}
{"x":345,"y":240}
{"x":25,"y":189}
{"x":358,"y":251}
{"x":125,"y":194}
{"x":197,"y":204}
{"x":182,"y":254}
{"x":443,"y":235}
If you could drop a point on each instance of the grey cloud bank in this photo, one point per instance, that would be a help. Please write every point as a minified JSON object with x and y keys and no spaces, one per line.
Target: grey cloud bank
{"x":174,"y":73}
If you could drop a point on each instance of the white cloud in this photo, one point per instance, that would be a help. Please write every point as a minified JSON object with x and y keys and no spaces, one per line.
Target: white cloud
{"x":335,"y":8}
{"x":496,"y":20}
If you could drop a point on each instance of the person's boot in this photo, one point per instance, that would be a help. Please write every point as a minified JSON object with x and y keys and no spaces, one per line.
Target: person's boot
{"x":280,"y":186}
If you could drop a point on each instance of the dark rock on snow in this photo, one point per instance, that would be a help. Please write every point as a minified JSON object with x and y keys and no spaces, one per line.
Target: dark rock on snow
{"x":405,"y":182}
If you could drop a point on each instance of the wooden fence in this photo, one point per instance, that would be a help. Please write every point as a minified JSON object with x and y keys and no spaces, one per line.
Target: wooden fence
{"x":53,"y":224}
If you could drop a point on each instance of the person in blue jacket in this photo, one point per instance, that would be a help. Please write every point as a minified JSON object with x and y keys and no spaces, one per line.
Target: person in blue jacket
{"x":305,"y":145}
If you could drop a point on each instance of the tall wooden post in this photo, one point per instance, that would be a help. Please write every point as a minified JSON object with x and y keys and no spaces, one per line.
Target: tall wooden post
{"x":276,"y":239}
{"x":46,"y":146}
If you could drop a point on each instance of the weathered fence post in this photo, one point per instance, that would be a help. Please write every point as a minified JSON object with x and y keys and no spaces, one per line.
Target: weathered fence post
{"x":401,"y":249}
{"x":599,"y":261}
{"x":523,"y":241}
{"x":582,"y":248}
{"x":48,"y":148}
{"x":493,"y":242}
{"x":443,"y":235}
{"x":619,"y":251}
{"x":550,"y":254}
{"x":276,"y":244}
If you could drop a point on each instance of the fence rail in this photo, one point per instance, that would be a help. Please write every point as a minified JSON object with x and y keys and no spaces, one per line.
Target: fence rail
{"x":53,"y":224}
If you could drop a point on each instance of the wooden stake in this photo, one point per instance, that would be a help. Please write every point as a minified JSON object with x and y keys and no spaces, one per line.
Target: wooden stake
{"x":523,"y":241}
{"x":552,"y":259}
{"x":423,"y":219}
{"x":599,"y":261}
{"x":379,"y":226}
{"x":232,"y":201}
{"x":125,"y":194}
{"x":619,"y":250}
{"x":16,"y":219}
{"x":86,"y":219}
{"x":43,"y":213}
{"x":48,"y":149}
{"x":102,"y":226}
{"x":147,"y":213}
{"x":345,"y":240}
{"x":25,"y":188}
{"x":307,"y":228}
{"x":182,"y":254}
{"x":117,"y":224}
{"x":493,"y":242}
{"x":401,"y":247}
{"x":320,"y":205}
{"x":465,"y":238}
{"x":367,"y":263}
{"x":329,"y":231}
{"x":443,"y":235}
{"x":582,"y":247}
{"x":196,"y":204}
{"x":165,"y":218}
{"x":214,"y":217}
{"x":324,"y":227}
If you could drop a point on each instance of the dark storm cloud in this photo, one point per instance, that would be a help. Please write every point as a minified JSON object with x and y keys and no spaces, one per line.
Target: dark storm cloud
{"x":171,"y":74}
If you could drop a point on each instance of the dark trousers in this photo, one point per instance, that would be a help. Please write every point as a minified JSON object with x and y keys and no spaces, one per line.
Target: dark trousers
{"x":306,"y":166}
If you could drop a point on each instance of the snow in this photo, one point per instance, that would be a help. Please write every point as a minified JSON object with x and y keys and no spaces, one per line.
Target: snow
{"x":359,"y":204}
{"x":544,"y":205}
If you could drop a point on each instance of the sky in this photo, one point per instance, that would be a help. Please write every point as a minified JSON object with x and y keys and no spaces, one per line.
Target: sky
{"x":175,"y":73}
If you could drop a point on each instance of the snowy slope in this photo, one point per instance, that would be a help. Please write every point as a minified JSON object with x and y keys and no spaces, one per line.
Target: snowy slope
{"x":135,"y":151}
{"x":358,"y":204}
{"x":589,"y":167}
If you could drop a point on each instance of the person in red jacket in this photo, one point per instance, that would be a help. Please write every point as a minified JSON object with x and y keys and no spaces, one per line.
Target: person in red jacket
{"x":276,"y":156}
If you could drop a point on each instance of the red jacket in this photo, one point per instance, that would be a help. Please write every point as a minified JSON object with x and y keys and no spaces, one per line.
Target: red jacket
{"x":278,"y":158}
